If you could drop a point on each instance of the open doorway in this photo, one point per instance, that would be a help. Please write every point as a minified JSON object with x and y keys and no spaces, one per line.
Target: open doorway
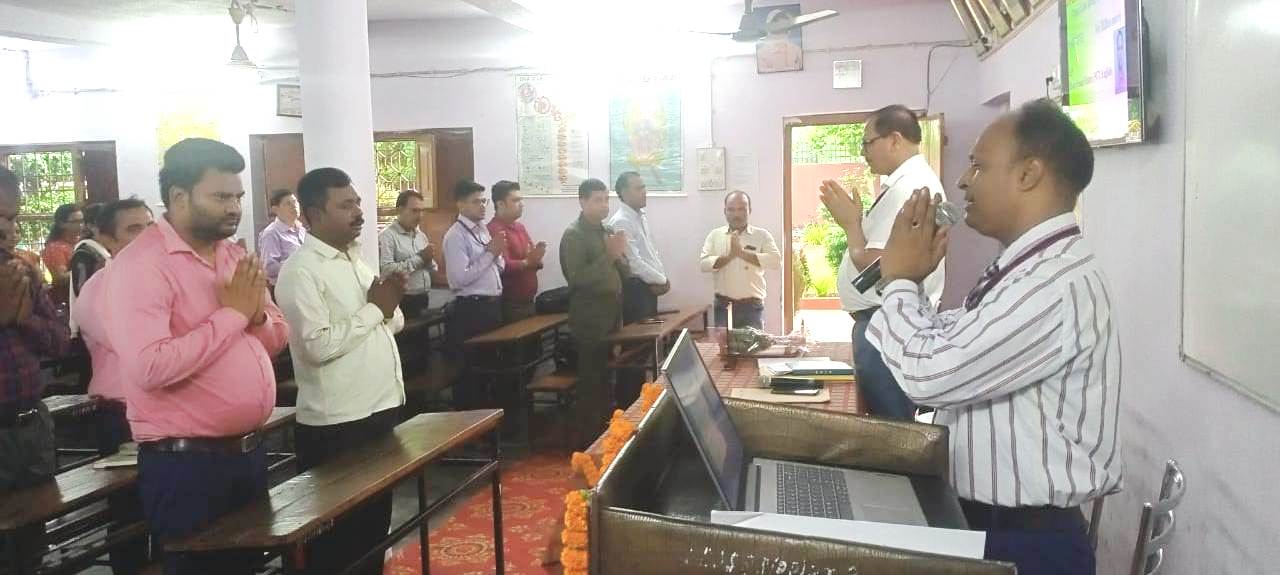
{"x":817,"y":148}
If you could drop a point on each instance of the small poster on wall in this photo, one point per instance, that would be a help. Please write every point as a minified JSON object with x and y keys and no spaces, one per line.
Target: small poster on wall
{"x":289,"y":100}
{"x":782,"y":52}
{"x":551,"y":138}
{"x":645,"y":133}
{"x":711,"y":173}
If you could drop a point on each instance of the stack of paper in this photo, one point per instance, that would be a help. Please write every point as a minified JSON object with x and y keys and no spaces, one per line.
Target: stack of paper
{"x":126,"y":457}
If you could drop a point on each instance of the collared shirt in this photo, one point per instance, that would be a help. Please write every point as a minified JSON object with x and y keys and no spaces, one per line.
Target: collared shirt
{"x":57,"y":255}
{"x":1028,"y":382}
{"x":740,"y":279}
{"x":913,"y":174}
{"x":595,"y":283}
{"x":345,"y":358}
{"x":90,"y":306}
{"x":398,"y":251}
{"x":191,"y":367}
{"x":641,"y":253}
{"x":88,"y":257}
{"x":276,"y":243}
{"x":472,"y":270}
{"x":22,"y":344}
{"x":519,"y":279}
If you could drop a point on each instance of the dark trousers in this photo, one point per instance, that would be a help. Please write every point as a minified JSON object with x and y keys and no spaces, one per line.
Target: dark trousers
{"x":745,"y":313}
{"x":184,"y":492}
{"x":415,"y":305}
{"x":364,"y":527}
{"x":27,"y":458}
{"x":124,"y":507}
{"x":876,"y":384}
{"x":637,"y":301}
{"x":470,"y":316}
{"x":516,"y":310}
{"x":1039,"y":540}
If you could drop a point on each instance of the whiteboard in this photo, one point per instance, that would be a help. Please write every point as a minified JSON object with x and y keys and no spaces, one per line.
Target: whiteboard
{"x":1231,"y":240}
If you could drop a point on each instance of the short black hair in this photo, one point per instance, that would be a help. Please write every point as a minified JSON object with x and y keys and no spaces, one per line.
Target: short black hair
{"x":106,"y":220}
{"x":502,"y":189}
{"x":313,"y":188}
{"x":1044,"y":131}
{"x":590,"y":185}
{"x":279,"y":195}
{"x":465,"y":188}
{"x":186,"y":162}
{"x":624,"y":179}
{"x":896,"y":118}
{"x":91,"y":212}
{"x":402,"y":200}
{"x":8,"y":182}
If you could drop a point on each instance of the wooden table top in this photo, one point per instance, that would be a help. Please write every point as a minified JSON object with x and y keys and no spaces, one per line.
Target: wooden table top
{"x":745,"y":372}
{"x":64,"y":405}
{"x":300,"y":507}
{"x":412,"y":324}
{"x":69,"y":490}
{"x":647,"y":332}
{"x":280,"y":416}
{"x":519,"y":330}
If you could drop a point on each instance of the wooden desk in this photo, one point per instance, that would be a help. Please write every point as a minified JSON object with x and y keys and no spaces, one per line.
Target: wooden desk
{"x":657,"y":334}
{"x":525,"y":328}
{"x":514,"y":351}
{"x":308,"y":504}
{"x":745,"y":372}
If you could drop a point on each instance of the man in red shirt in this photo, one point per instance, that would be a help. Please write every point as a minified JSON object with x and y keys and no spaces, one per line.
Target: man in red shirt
{"x":524,"y":258}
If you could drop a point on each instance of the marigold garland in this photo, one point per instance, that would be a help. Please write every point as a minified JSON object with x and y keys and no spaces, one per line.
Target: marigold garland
{"x":573,"y":557}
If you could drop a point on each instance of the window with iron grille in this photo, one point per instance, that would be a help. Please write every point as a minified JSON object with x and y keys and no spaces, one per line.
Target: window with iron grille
{"x":47,"y":179}
{"x":397,"y":164}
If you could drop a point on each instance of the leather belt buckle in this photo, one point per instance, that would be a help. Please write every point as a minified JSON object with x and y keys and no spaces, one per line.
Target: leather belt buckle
{"x":249,"y":442}
{"x":25,"y":417}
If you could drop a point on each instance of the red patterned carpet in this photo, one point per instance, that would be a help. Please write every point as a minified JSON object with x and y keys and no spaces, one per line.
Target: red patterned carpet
{"x":532,"y":501}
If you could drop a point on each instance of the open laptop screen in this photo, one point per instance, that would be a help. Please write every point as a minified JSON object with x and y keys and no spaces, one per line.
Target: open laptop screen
{"x":707,"y":419}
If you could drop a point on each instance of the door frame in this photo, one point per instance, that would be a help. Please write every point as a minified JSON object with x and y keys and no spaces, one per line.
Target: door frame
{"x":789,"y":122}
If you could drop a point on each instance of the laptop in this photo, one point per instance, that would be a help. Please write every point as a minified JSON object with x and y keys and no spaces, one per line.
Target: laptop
{"x":770,"y":485}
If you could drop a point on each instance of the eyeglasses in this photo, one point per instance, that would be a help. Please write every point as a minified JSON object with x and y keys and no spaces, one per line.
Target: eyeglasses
{"x":867,"y":143}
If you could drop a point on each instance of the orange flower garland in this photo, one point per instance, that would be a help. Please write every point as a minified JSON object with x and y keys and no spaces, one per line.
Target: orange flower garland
{"x":573,"y":557}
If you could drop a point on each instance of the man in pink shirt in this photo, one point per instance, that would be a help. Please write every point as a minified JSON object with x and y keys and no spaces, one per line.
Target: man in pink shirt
{"x":194,"y":330}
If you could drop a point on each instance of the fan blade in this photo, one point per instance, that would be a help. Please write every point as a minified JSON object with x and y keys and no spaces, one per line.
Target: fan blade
{"x":810,"y":18}
{"x":711,"y":33}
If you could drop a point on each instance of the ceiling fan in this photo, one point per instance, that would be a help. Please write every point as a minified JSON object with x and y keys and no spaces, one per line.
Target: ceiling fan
{"x":238,"y":10}
{"x":778,"y":22}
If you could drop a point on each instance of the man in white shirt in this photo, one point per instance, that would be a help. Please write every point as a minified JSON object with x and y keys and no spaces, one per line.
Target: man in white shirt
{"x":343,"y":320}
{"x":404,"y":248}
{"x":737,"y":255}
{"x":648,"y":278}
{"x":891,"y":145}
{"x":473,"y":263}
{"x":1027,"y":375}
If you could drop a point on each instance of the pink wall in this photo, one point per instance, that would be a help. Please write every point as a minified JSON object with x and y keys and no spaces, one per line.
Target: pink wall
{"x":805,"y":179}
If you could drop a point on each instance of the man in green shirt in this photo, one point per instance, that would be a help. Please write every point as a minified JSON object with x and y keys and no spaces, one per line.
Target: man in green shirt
{"x":591,"y":257}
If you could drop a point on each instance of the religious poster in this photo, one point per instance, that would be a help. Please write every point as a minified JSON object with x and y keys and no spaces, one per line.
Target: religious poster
{"x":645,"y":133}
{"x":783,"y":51}
{"x":184,"y":118}
{"x":551,"y":137}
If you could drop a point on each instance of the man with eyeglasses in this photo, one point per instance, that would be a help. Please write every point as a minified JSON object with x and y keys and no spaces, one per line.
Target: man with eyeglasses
{"x":404,"y":248}
{"x":891,"y":146}
{"x":473,"y":263}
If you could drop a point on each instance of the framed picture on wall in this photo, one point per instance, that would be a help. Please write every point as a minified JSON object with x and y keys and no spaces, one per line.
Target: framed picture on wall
{"x":289,"y":100}
{"x":711,"y":173}
{"x":782,"y":52}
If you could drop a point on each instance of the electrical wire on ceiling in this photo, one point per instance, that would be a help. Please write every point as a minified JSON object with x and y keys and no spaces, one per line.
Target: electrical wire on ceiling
{"x":449,"y":73}
{"x":929,"y":88}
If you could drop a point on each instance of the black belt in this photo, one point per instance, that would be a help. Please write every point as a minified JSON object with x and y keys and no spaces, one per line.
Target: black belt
{"x":20,"y":414}
{"x":864,"y":314}
{"x":987,"y":517}
{"x":111,"y":405}
{"x":236,"y":445}
{"x":743,"y":301}
{"x":479,"y":298}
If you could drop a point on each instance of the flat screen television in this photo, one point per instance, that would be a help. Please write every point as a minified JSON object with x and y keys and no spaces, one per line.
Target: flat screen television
{"x":1103,"y":65}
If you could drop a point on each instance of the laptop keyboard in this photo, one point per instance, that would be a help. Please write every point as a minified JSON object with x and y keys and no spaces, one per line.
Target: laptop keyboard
{"x":813,"y":492}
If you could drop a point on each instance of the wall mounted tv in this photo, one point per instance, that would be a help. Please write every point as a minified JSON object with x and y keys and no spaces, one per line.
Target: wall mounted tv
{"x":1103,"y":65}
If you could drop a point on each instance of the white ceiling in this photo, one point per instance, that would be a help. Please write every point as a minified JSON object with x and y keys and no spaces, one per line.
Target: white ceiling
{"x":117,"y":10}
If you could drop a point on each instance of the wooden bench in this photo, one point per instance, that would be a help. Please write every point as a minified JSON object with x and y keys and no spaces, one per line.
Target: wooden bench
{"x":305,"y":506}
{"x":64,"y":407}
{"x":70,"y":491}
{"x":513,"y":353}
{"x":655,"y":337}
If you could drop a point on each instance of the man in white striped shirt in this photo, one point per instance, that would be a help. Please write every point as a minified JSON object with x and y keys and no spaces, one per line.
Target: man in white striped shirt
{"x":1027,"y":375}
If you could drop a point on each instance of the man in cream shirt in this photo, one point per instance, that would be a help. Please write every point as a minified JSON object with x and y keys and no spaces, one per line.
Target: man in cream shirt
{"x":891,"y":146}
{"x":738,"y":254}
{"x":343,"y":320}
